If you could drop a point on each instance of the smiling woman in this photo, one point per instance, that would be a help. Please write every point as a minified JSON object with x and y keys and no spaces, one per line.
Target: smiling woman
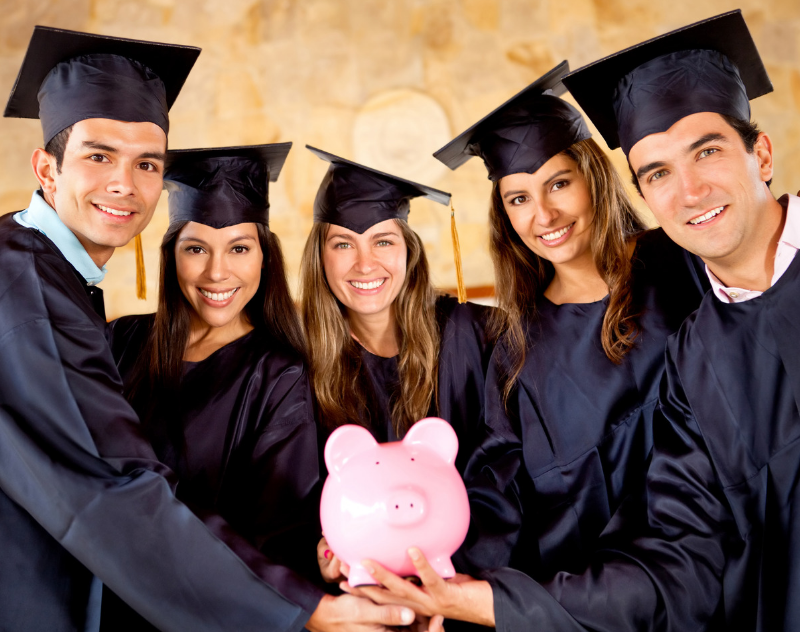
{"x":217,"y":374}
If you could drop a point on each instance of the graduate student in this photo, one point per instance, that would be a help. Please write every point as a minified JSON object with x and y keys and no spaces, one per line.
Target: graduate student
{"x":386,"y":348}
{"x":83,"y":497}
{"x":718,"y":546}
{"x":217,"y":374}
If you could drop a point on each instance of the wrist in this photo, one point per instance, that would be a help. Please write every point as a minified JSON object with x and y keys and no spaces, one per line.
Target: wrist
{"x":321,"y":615}
{"x":476,"y":604}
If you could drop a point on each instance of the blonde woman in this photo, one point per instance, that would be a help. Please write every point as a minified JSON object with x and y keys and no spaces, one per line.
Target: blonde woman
{"x":387,"y":349}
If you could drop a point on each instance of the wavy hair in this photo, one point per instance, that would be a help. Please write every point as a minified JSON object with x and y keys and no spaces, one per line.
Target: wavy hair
{"x":525,"y":276}
{"x":341,"y":387}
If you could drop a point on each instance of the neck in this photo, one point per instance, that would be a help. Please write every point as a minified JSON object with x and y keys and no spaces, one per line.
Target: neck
{"x":98,"y":254}
{"x":576,"y":281}
{"x":377,"y":333}
{"x":205,"y":339}
{"x":752,"y":265}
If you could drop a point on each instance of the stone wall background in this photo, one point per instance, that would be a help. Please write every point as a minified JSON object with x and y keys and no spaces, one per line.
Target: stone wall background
{"x":381,"y":82}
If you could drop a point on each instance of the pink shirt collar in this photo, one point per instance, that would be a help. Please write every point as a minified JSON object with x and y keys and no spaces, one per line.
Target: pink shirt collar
{"x":788,"y":245}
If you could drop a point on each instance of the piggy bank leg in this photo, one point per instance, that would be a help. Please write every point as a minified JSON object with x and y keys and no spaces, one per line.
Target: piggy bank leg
{"x":443,"y":566}
{"x":360,"y":577}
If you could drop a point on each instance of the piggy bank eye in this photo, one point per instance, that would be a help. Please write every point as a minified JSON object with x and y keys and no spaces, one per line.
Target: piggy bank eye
{"x":412,"y":458}
{"x":377,"y":462}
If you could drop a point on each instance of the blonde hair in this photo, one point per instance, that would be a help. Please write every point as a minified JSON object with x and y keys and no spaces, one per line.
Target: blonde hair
{"x":340,"y":384}
{"x":525,"y":275}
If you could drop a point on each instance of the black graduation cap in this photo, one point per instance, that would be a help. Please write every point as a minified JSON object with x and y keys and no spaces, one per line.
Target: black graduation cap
{"x":357,"y":197}
{"x":709,"y":66}
{"x":223,"y":186}
{"x":68,"y":76}
{"x":523,"y":133}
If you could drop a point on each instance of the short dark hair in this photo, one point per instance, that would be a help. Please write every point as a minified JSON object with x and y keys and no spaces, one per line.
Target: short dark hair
{"x":57,"y":145}
{"x":748,"y":131}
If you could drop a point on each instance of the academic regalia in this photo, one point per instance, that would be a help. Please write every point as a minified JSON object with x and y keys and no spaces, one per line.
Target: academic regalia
{"x":464,"y":354}
{"x":357,"y":197}
{"x":83,"y":497}
{"x":575,"y":438}
{"x":715,"y":547}
{"x":240,"y":436}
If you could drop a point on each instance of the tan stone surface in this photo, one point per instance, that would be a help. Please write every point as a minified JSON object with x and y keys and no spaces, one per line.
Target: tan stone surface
{"x":311,"y":71}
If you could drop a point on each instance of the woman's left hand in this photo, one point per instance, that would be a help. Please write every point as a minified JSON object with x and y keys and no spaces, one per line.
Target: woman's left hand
{"x":462,"y":597}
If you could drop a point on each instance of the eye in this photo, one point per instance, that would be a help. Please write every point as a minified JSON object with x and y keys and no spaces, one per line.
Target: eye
{"x":657,"y":175}
{"x":194,"y":250}
{"x":520,"y":199}
{"x":148,"y":166}
{"x":98,"y":158}
{"x":557,"y":186}
{"x":240,"y":249}
{"x":342,"y":245}
{"x":383,"y":242}
{"x":707,"y":152}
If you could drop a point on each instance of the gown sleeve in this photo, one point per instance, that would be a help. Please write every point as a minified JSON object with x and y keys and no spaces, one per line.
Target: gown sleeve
{"x":72,"y":456}
{"x":659,"y":564}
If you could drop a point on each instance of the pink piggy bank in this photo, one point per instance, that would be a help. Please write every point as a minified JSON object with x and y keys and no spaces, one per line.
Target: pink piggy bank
{"x":381,"y":499}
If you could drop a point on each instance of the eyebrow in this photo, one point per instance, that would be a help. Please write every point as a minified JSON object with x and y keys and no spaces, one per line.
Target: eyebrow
{"x":382,"y":235}
{"x":510,"y":193}
{"x":230,"y":241}
{"x":708,"y":138}
{"x":557,"y":174}
{"x":152,"y":155}
{"x":338,"y":236}
{"x":647,"y":168}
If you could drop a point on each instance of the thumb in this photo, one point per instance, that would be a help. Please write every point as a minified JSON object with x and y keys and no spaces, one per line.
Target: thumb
{"x":391,"y":615}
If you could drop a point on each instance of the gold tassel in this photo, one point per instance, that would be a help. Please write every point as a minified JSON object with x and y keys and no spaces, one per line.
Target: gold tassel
{"x":141,"y":279}
{"x":462,"y":293}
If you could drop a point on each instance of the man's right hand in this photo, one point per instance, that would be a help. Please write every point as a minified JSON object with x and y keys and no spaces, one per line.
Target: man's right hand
{"x":347,"y":613}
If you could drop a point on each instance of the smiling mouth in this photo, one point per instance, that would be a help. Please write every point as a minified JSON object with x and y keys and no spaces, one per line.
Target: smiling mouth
{"x":218,"y":296}
{"x":370,"y":285}
{"x":556,"y":234}
{"x":112,"y":211}
{"x":702,"y":219}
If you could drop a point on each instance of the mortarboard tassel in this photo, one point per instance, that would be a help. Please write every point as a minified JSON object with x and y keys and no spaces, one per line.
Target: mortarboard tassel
{"x":462,"y":293}
{"x":141,"y":279}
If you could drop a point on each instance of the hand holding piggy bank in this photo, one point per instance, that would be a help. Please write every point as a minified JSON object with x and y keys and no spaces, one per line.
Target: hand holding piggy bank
{"x":381,"y":499}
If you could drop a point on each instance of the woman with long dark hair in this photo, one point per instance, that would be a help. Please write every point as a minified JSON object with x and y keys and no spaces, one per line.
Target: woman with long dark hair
{"x":387,"y":349}
{"x":587,"y":299}
{"x":218,"y":378}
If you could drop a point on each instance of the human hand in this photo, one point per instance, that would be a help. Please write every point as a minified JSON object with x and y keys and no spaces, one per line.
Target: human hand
{"x":348,"y":613}
{"x":461,"y":598}
{"x":332,"y":569}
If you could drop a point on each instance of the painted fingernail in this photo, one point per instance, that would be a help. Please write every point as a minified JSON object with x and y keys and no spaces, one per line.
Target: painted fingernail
{"x":407,"y":616}
{"x":327,"y":554}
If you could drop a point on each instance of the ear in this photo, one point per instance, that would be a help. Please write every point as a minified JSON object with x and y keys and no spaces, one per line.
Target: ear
{"x":44,"y":168}
{"x":763,"y":152}
{"x":344,"y":443}
{"x":435,"y":434}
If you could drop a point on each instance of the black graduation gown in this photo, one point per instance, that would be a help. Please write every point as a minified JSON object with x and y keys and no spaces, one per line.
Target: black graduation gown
{"x":721,"y":547}
{"x":240,"y":436}
{"x":464,"y":354}
{"x":576,"y":437}
{"x":81,"y":491}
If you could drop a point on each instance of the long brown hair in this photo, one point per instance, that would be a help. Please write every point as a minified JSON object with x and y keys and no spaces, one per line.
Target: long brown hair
{"x":271,"y":312}
{"x":336,"y":366}
{"x":525,"y":275}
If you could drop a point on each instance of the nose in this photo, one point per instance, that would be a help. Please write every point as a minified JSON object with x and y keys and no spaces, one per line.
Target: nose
{"x":406,"y":507}
{"x":122,"y":181}
{"x":365,"y":261}
{"x":694,"y":188}
{"x":217,"y":269}
{"x":546,"y":214}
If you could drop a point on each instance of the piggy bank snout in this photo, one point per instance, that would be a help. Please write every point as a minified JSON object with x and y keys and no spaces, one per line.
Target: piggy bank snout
{"x":406,"y":507}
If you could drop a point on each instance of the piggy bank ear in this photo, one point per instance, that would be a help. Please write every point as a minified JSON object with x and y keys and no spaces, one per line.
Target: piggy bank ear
{"x":344,"y":443}
{"x":435,"y":434}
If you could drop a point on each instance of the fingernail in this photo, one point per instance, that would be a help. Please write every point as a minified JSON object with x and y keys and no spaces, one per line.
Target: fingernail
{"x":406,"y":616}
{"x":368,"y":567}
{"x":414,"y":554}
{"x":327,"y":554}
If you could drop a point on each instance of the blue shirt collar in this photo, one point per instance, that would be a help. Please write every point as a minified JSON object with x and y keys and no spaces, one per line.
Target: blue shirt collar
{"x":41,"y":216}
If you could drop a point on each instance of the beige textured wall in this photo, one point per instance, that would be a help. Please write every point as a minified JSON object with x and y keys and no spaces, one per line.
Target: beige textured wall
{"x":385,"y":82}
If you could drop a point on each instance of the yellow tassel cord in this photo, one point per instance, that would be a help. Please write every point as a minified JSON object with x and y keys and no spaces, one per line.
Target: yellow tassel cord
{"x":462,"y":293}
{"x":141,"y":279}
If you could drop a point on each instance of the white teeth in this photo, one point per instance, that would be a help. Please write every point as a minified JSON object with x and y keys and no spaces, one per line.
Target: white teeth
{"x":557,"y":234}
{"x":367,"y":286}
{"x":707,"y":216}
{"x":215,"y":296}
{"x":113,"y":211}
